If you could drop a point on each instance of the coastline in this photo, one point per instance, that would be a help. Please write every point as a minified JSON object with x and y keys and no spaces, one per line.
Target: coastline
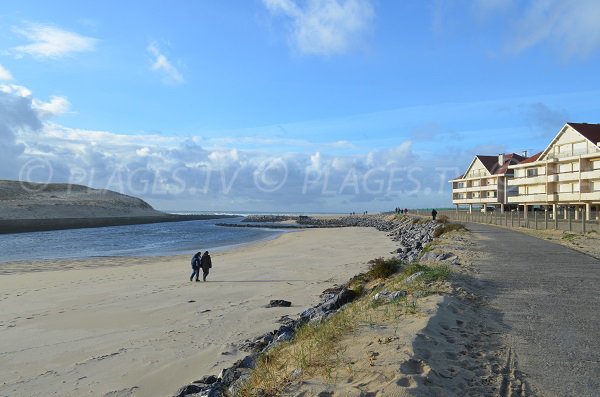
{"x":38,"y":225}
{"x":128,"y":324}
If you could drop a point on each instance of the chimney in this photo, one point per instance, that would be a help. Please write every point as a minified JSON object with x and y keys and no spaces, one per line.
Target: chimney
{"x":525,"y":154}
{"x":501,"y":159}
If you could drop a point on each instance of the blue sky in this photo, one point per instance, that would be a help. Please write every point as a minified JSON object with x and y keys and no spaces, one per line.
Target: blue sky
{"x":281,"y":105}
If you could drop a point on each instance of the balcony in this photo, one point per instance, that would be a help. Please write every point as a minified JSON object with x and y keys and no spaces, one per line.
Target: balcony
{"x":568,"y":176}
{"x":489,"y":187}
{"x":533,"y":180}
{"x":473,"y":189}
{"x":574,"y":153}
{"x":459,"y":190}
{"x":591,"y":196}
{"x":528,"y":198}
{"x":567,"y":196}
{"x":593,"y":174}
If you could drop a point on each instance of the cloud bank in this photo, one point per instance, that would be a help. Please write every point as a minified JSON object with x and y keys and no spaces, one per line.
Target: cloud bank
{"x":187,"y":172}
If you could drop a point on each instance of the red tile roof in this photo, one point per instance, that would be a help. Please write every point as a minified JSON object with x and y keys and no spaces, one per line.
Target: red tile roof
{"x":532,"y":158}
{"x":590,"y":131}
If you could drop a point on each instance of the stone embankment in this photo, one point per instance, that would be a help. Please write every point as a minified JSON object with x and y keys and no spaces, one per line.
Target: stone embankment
{"x":269,"y":218}
{"x":411,"y":233}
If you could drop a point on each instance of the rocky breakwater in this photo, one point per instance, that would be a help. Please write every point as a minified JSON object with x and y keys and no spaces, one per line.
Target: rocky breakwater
{"x":412,"y":233}
{"x":269,"y":218}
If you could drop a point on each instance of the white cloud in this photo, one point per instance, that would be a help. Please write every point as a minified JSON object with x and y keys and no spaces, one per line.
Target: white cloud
{"x":161,"y":64}
{"x":572,"y":26}
{"x":56,"y":106}
{"x":325,"y":27}
{"x":51,"y":42}
{"x":5,"y":74}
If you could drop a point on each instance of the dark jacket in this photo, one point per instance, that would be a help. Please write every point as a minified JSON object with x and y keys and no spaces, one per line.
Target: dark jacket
{"x":196,"y":261}
{"x":205,"y":262}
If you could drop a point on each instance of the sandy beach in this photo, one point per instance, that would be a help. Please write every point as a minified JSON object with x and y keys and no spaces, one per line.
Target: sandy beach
{"x":139,"y":327}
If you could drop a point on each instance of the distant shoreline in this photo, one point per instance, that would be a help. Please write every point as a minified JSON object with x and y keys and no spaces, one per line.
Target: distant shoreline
{"x":8,"y":226}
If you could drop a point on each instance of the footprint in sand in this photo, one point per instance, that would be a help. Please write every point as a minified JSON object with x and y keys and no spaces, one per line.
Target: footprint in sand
{"x":412,"y":367}
{"x":406,"y":382}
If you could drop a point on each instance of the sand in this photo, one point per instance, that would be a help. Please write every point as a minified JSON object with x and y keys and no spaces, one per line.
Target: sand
{"x":454,"y":345}
{"x":139,"y":327}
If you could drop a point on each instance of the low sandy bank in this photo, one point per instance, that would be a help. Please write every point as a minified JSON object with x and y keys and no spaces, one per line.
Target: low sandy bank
{"x":140,"y":328}
{"x":38,"y":225}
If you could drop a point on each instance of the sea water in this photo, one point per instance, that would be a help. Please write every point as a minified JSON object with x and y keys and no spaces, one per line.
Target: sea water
{"x":168,"y":238}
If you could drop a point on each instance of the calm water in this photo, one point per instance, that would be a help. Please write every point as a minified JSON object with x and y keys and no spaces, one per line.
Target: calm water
{"x":134,"y":240}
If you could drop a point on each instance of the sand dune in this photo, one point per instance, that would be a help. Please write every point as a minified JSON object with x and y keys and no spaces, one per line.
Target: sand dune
{"x":140,"y":328}
{"x":25,"y":200}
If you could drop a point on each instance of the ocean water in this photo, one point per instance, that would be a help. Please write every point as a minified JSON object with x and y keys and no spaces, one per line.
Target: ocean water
{"x":169,"y":238}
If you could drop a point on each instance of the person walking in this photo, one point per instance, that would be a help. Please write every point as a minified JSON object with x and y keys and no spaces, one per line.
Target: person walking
{"x":196,"y":265}
{"x":433,"y":213}
{"x":205,"y":264}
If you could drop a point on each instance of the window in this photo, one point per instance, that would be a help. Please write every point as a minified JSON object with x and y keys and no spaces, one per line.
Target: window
{"x":565,"y":188}
{"x":532,"y":172}
{"x":580,"y":148}
{"x":568,"y":167}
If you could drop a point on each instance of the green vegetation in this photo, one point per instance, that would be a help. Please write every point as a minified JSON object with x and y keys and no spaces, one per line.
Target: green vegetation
{"x":443,"y":219}
{"x":429,"y":273}
{"x":448,"y":227}
{"x":569,"y":236}
{"x":379,"y":269}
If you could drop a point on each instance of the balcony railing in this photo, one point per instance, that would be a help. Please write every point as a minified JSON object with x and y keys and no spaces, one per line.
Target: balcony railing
{"x":572,"y":153}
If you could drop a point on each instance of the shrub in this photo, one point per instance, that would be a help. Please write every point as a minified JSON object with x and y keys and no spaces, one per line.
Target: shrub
{"x":383,"y":268}
{"x":430,"y":273}
{"x":443,"y":219}
{"x":448,"y":227}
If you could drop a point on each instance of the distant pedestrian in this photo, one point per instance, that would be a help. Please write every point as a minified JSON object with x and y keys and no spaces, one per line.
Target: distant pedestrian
{"x":406,"y":211}
{"x":205,"y":264}
{"x":433,"y":213}
{"x":196,"y":266}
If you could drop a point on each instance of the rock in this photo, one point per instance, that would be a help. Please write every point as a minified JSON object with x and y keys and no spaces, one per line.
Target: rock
{"x":217,"y":390}
{"x":389,"y":296}
{"x":396,"y":295}
{"x":412,"y":277}
{"x":279,"y":303}
{"x":381,"y":294}
{"x":188,"y":389}
{"x":238,"y":384}
{"x":207,"y":380}
{"x":285,"y":337}
{"x":287,"y":321}
{"x":248,"y":361}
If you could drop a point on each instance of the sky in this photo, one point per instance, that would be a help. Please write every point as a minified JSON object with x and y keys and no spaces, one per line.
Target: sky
{"x":287,"y":105}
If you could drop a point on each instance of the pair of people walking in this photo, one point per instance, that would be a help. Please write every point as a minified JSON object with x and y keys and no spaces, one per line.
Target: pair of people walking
{"x":200,"y":261}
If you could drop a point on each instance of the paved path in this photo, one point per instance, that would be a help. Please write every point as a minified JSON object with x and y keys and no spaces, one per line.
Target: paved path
{"x":549,"y":296}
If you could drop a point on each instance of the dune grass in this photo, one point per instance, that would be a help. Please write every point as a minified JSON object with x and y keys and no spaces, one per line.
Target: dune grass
{"x":315,"y":349}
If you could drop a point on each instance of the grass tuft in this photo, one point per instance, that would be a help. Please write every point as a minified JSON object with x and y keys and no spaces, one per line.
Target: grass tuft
{"x":443,"y":219}
{"x":381,"y":268}
{"x":448,"y":227}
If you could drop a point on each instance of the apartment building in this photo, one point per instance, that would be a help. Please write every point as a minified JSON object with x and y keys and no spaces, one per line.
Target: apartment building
{"x":484,"y":184}
{"x":564,"y":176}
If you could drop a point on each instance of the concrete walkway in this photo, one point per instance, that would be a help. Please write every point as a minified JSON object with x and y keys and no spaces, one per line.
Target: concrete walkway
{"x":549,"y":297}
